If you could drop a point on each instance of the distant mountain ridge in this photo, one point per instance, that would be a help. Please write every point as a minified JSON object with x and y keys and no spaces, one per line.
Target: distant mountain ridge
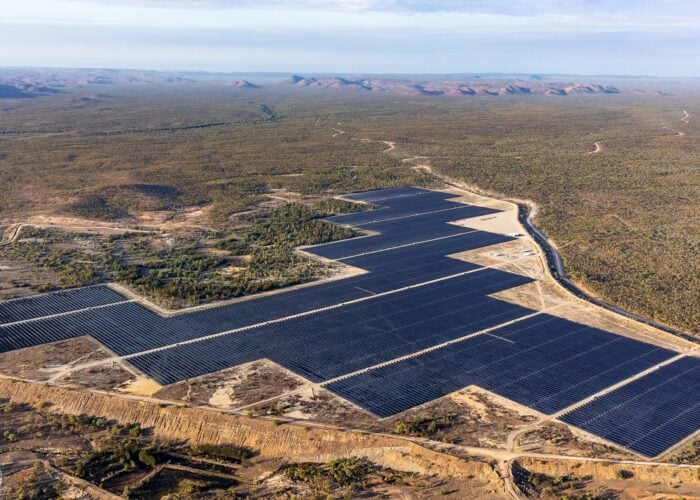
{"x":18,"y":90}
{"x":17,"y":83}
{"x":454,"y":87}
{"x":36,"y":82}
{"x":244,"y":84}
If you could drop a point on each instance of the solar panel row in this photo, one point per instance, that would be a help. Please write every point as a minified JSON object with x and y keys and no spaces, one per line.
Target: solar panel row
{"x":387,"y":194}
{"x":400,"y":232}
{"x":650,"y":414}
{"x":56,"y":303}
{"x":129,"y":328}
{"x":348,"y":338}
{"x":543,"y":362}
{"x":391,"y":209}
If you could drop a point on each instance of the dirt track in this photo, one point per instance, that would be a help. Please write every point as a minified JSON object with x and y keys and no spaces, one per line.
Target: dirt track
{"x":11,"y":233}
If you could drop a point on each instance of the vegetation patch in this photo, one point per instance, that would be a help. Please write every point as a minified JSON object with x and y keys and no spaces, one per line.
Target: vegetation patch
{"x":346,"y":475}
{"x":690,"y":455}
{"x":192,"y":266}
{"x":570,"y":487}
{"x":226,"y":452}
{"x":100,"y":207}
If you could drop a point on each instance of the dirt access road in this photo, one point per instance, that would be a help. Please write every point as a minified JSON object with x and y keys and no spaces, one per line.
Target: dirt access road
{"x":11,"y":233}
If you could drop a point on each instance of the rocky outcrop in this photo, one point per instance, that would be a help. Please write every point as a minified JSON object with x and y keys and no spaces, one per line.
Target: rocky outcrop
{"x":243,"y":84}
{"x":453,"y":87}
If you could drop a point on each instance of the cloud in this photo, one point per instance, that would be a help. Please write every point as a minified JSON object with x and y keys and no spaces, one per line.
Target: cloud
{"x":611,"y":36}
{"x":303,"y":51}
{"x":502,"y":7}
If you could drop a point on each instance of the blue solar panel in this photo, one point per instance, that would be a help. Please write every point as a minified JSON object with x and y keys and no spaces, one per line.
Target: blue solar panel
{"x":650,"y":414}
{"x":56,"y":303}
{"x":383,"y":195}
{"x":543,"y":362}
{"x":403,"y":231}
{"x":129,"y":328}
{"x":348,"y":338}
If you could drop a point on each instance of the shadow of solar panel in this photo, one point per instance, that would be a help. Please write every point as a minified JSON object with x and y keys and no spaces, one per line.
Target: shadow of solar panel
{"x":650,"y":414}
{"x":542,"y":362}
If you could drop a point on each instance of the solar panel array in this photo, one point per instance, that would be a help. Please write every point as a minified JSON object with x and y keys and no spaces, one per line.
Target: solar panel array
{"x":129,"y":328}
{"x":56,"y":303}
{"x":543,"y":362}
{"x":418,"y":325}
{"x":344,"y":339}
{"x":649,"y":414}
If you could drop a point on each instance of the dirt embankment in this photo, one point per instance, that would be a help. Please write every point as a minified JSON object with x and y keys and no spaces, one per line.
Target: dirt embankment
{"x":290,"y":443}
{"x":666,"y":475}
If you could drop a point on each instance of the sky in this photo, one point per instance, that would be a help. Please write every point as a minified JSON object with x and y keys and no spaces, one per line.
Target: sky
{"x":618,"y":37}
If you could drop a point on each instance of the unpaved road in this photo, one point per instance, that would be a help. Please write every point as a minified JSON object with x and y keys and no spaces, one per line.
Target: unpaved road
{"x":11,"y":234}
{"x":686,"y":117}
{"x":598,"y":148}
{"x":391,"y":145}
{"x":552,"y":259}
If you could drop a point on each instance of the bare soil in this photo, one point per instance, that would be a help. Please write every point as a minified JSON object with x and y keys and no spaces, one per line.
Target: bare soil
{"x":239,"y":386}
{"x":45,"y":361}
{"x":102,"y":377}
{"x":556,"y":438}
{"x":20,"y":279}
{"x":551,"y":479}
{"x":470,"y":417}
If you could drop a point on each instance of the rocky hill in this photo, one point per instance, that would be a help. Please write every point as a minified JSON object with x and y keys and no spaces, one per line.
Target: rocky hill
{"x":19,"y":89}
{"x":243,"y":84}
{"x":454,"y":87}
{"x":28,"y":82}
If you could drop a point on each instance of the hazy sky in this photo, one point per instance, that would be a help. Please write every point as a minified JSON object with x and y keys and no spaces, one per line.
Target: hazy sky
{"x":652,"y":37}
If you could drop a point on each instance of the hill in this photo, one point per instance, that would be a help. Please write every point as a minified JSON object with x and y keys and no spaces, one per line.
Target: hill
{"x":451,"y":87}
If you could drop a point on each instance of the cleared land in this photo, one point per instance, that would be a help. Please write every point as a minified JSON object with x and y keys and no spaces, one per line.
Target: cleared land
{"x":417,"y":326}
{"x":467,"y":423}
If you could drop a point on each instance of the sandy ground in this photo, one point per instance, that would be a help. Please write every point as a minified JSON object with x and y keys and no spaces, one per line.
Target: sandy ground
{"x":50,"y":360}
{"x":140,"y":386}
{"x":235,"y":387}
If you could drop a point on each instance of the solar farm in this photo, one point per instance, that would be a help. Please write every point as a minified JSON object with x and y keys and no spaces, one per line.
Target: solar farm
{"x":415,"y":325}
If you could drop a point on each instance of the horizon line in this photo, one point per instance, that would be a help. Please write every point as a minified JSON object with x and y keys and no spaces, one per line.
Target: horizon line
{"x":359,"y":73}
